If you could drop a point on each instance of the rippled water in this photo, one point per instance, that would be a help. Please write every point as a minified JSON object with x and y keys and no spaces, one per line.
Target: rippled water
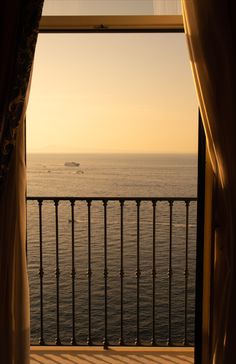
{"x":112,"y":175}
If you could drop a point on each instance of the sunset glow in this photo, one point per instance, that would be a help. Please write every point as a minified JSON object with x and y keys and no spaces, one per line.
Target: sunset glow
{"x":112,"y":93}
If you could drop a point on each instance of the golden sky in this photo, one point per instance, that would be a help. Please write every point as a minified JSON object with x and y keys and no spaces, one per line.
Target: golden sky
{"x":130,"y":93}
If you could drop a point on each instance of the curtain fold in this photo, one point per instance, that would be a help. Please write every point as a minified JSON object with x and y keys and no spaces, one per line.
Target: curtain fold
{"x":211,"y":38}
{"x":14,"y":306}
{"x":19,"y":20}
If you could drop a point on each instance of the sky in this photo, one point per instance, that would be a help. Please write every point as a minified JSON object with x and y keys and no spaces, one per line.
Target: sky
{"x":112,"y":93}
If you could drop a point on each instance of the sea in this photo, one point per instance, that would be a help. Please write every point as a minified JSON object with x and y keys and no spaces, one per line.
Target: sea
{"x":112,"y":175}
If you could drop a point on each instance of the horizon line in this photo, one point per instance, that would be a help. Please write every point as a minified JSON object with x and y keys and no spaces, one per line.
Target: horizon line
{"x":30,"y":152}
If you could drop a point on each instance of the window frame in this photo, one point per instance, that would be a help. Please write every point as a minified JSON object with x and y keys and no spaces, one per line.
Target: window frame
{"x":72,"y":24}
{"x":150,"y":24}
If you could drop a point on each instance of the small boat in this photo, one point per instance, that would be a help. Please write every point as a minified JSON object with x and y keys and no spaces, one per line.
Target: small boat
{"x":71,"y":164}
{"x":70,"y":221}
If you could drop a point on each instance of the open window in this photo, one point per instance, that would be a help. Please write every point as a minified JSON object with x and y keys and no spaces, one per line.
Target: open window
{"x":150,"y":28}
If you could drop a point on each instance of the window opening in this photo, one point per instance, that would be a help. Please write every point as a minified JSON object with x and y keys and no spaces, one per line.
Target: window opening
{"x":48,"y":177}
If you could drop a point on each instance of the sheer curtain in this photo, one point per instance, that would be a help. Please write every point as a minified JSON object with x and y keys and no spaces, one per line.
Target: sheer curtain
{"x":19,"y":21}
{"x":112,"y":7}
{"x":211,"y":37}
{"x":167,"y":7}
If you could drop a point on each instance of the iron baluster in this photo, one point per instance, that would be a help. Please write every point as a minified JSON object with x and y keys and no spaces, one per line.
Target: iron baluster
{"x":89,"y":340}
{"x":121,"y":341}
{"x":57,"y":274}
{"x":138,"y":273}
{"x":186,"y":277}
{"x":105,"y":341}
{"x":73,"y":272}
{"x":169,"y":340}
{"x":153,"y":341}
{"x":41,"y":273}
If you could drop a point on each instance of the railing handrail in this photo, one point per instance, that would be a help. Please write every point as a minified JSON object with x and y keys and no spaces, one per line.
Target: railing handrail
{"x":109,"y":198}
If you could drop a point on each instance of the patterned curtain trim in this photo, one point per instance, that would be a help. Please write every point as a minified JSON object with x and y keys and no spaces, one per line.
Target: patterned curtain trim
{"x":28,"y":31}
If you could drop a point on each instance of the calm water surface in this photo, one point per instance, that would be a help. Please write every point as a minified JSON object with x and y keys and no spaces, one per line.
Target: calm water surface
{"x":111,"y":175}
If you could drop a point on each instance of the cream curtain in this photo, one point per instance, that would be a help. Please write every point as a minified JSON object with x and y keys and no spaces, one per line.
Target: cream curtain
{"x":210,"y":31}
{"x":14,"y":306}
{"x":19,"y":20}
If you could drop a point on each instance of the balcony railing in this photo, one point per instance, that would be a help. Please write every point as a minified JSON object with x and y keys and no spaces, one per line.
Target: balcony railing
{"x":112,"y":270}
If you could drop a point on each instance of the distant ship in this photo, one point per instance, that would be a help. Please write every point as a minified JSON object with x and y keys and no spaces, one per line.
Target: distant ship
{"x":70,"y":220}
{"x":71,"y":164}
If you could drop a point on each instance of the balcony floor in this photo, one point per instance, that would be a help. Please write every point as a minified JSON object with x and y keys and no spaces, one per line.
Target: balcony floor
{"x":124,"y":355}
